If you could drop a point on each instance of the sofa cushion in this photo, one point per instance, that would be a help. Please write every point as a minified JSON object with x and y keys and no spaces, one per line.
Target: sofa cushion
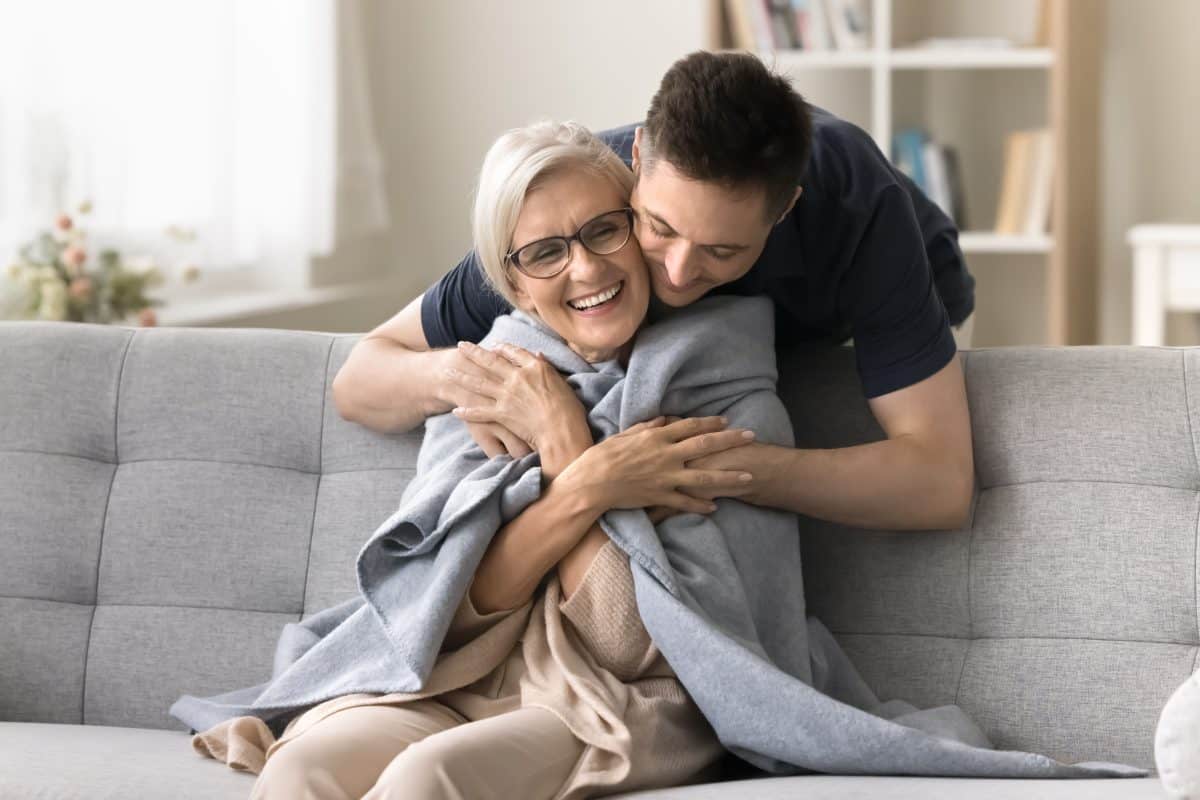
{"x":1063,"y":614}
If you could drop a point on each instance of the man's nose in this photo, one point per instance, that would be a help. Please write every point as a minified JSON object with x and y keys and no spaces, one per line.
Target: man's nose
{"x":680,"y":263}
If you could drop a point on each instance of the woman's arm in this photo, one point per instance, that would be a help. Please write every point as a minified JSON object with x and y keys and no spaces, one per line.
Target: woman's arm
{"x":547,"y":531}
{"x":641,"y":467}
{"x":560,"y":527}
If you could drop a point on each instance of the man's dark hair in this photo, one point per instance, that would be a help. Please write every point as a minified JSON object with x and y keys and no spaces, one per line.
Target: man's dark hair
{"x":725,"y":117}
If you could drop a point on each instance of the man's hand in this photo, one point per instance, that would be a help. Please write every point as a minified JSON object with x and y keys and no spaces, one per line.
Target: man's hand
{"x":646,"y":465}
{"x":749,"y":458}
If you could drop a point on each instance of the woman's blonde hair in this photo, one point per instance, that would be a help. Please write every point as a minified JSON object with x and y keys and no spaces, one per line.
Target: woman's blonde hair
{"x":517,"y":162}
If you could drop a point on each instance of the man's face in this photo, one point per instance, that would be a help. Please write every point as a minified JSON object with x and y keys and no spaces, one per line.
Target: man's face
{"x":695,"y":235}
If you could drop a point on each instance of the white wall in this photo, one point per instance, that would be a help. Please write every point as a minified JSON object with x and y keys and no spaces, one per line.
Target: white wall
{"x":449,"y":76}
{"x":1150,"y":144}
{"x":462,"y":72}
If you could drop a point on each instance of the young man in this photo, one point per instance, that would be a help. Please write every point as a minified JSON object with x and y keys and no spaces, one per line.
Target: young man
{"x":744,"y":188}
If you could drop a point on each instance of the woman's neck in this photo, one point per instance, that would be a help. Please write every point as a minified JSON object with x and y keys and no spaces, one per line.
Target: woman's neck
{"x":599,"y":356}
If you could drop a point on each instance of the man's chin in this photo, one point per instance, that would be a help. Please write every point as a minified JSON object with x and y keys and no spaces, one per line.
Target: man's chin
{"x":676,"y":299}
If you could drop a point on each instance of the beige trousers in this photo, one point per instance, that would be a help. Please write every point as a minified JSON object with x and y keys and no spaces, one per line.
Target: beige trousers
{"x":422,"y":750}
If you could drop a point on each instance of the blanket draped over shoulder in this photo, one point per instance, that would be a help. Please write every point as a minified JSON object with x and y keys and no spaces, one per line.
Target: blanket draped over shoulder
{"x":720,"y":594}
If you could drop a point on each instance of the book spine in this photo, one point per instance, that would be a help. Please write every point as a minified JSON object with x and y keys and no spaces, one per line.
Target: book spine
{"x":935,"y":170}
{"x":801,"y":21}
{"x":760,"y":17}
{"x":1014,"y":191}
{"x":1037,"y":219}
{"x":849,"y":23}
{"x":783,"y":26}
{"x":741,"y":27}
{"x":818,"y":25}
{"x":954,"y":179}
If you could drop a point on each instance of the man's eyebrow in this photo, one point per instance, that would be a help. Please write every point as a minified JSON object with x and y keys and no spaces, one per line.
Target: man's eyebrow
{"x":667,"y":225}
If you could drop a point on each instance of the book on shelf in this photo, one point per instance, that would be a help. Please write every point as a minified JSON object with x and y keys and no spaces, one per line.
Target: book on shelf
{"x":934,"y":168}
{"x":783,"y":25}
{"x":766,"y":25}
{"x":750,"y":24}
{"x":815,"y":24}
{"x":1023,"y":208}
{"x":958,"y":196}
{"x":850,"y":24}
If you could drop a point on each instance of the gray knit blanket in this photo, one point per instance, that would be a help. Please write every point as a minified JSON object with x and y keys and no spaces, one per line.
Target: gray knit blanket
{"x":720,"y":594}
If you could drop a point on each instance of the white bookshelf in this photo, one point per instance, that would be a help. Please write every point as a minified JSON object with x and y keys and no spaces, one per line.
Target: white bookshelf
{"x":972,"y":97}
{"x":988,"y":242}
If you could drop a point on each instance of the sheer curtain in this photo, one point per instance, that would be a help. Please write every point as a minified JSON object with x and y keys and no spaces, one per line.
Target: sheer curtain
{"x":218,"y":116}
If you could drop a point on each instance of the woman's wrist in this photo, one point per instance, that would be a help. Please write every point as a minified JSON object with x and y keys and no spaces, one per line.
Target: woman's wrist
{"x":560,"y":446}
{"x":585,"y":494}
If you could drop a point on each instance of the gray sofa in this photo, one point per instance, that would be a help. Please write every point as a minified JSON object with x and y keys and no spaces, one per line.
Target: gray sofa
{"x":169,"y":498}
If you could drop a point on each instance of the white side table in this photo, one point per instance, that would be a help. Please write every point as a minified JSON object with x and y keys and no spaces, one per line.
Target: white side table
{"x":1166,"y":276}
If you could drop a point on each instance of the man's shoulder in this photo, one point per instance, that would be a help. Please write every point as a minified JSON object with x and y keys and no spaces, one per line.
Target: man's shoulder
{"x":844,"y":154}
{"x":620,"y":140}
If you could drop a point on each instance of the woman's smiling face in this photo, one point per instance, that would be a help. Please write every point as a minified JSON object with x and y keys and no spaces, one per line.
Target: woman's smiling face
{"x":558,"y":206}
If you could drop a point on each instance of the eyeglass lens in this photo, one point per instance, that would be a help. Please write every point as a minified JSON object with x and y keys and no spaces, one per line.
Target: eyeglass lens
{"x":605,"y":234}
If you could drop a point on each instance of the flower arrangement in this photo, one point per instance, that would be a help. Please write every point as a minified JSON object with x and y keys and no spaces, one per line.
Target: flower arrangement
{"x":59,"y":286}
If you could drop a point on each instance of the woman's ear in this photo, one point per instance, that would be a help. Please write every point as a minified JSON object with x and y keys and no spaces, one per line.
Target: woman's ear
{"x":524,"y":301}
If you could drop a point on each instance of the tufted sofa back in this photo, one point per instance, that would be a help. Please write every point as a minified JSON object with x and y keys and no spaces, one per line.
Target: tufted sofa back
{"x":169,"y":498}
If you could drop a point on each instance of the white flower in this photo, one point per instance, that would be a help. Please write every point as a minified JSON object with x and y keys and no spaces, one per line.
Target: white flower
{"x":53,"y":304}
{"x":30,"y":276}
{"x":153,"y":276}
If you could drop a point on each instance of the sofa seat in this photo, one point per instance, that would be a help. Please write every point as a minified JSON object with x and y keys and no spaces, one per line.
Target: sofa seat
{"x":99,"y":762}
{"x":868,"y":787}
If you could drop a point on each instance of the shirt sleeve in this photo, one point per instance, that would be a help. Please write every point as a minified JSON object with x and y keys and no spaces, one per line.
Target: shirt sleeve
{"x":469,"y":623}
{"x":900,"y":326}
{"x":461,"y":306}
{"x":603,"y":611}
{"x":955,"y":285}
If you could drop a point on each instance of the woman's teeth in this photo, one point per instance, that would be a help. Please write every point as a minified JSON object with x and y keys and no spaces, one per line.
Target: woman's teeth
{"x":585,"y":303}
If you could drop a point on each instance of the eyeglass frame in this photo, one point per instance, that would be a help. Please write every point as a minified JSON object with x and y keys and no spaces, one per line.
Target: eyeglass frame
{"x":630,"y":215}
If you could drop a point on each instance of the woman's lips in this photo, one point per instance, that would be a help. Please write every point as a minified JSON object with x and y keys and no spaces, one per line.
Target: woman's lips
{"x":603,"y":308}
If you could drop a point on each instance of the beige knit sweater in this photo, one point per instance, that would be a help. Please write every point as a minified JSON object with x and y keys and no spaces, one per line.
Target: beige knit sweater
{"x":588,"y":659}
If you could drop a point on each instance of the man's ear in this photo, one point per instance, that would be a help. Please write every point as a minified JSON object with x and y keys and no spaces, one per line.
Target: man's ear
{"x":791,"y":205}
{"x":637,"y":148}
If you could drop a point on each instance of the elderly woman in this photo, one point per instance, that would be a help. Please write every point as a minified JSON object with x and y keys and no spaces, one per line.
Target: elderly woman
{"x":584,"y":703}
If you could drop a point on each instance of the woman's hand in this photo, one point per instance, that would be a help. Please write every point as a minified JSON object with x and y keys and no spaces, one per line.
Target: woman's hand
{"x":646,"y":466}
{"x":523,"y":395}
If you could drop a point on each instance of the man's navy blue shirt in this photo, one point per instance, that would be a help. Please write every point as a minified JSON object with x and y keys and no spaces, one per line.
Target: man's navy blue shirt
{"x":863,"y":254}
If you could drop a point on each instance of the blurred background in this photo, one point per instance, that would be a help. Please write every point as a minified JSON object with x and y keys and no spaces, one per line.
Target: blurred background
{"x":309,"y":164}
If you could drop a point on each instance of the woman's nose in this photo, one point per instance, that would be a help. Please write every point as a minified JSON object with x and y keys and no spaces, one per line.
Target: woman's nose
{"x":583,"y":262}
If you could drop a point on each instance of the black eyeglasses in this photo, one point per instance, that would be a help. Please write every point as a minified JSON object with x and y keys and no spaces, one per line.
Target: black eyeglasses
{"x":547,"y":257}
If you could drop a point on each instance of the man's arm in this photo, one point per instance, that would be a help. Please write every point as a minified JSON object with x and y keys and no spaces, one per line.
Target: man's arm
{"x":921,"y":477}
{"x":391,"y":380}
{"x":397,"y":374}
